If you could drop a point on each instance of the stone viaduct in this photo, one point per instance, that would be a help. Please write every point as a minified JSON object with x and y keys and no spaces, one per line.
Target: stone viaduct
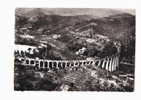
{"x":108,"y":63}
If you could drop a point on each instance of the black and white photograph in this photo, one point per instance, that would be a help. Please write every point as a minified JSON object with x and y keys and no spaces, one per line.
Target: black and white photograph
{"x":74,"y":49}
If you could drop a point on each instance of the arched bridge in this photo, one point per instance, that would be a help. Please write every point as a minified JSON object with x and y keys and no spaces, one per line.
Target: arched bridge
{"x":108,"y":63}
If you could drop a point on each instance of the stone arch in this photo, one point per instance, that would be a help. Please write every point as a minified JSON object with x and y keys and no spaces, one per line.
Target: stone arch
{"x":96,"y":63}
{"x":27,"y":62}
{"x":103,"y":64}
{"x":80,"y":63}
{"x":63,"y":64}
{"x":22,"y":53}
{"x":59,"y":65}
{"x":76,"y":63}
{"x":107,"y":64}
{"x":88,"y":62}
{"x":46,"y":64}
{"x":91,"y":62}
{"x":46,"y":68}
{"x":32,"y":62}
{"x":50,"y":65}
{"x":72,"y":64}
{"x":41,"y":65}
{"x":68,"y":64}
{"x":17,"y":53}
{"x":37,"y":65}
{"x":110,"y":65}
{"x":99,"y":63}
{"x":84,"y":63}
{"x":54,"y":65}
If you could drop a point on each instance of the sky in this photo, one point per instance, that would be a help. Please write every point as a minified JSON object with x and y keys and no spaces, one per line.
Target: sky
{"x":97,"y":12}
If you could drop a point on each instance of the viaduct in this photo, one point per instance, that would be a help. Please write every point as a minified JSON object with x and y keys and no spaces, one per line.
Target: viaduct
{"x":108,"y":63}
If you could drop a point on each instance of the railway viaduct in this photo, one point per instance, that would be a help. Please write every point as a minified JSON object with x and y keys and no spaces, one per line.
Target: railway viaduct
{"x":108,"y":63}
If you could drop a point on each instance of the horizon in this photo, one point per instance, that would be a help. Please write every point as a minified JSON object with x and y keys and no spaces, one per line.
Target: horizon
{"x":95,"y":12}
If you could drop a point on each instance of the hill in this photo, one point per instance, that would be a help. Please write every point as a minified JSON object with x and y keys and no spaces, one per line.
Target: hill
{"x":118,"y":26}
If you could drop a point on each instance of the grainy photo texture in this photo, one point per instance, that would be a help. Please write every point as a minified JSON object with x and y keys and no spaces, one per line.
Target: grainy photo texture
{"x":74,"y":49}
